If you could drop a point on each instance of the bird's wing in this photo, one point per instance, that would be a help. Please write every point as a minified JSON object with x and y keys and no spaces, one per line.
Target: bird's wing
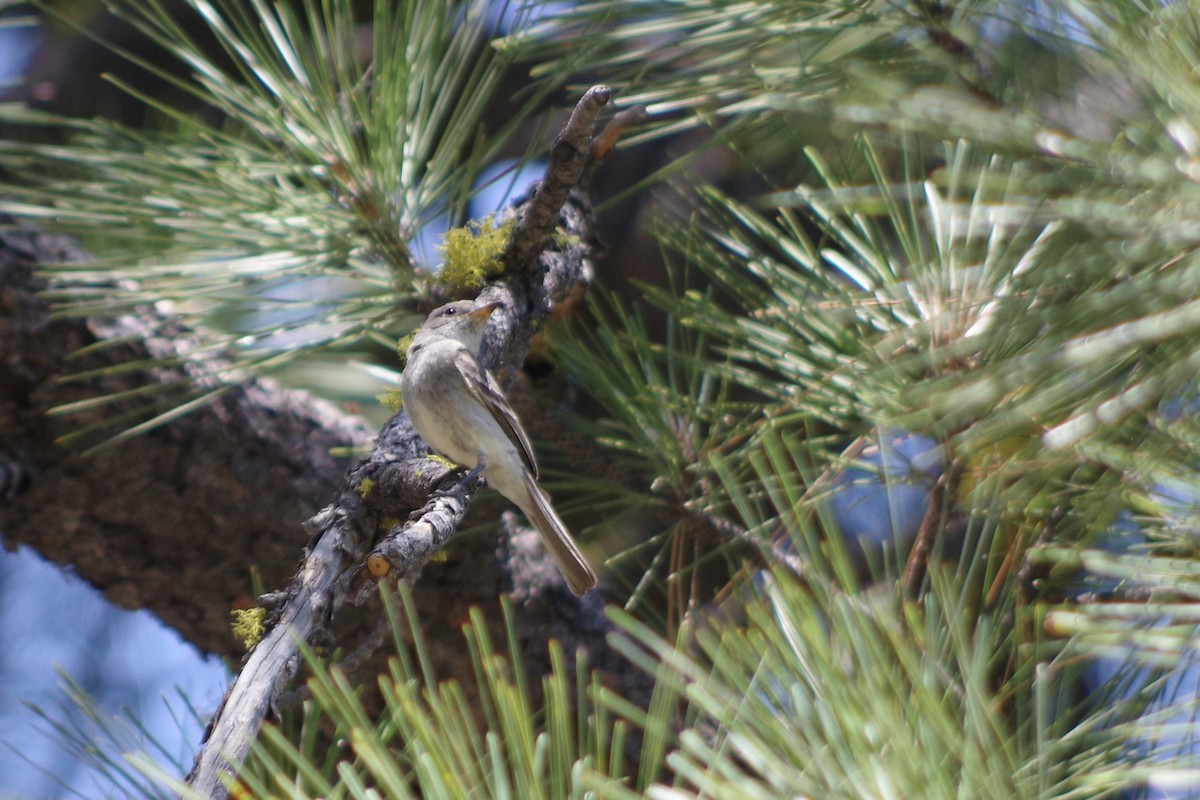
{"x":483,"y":386}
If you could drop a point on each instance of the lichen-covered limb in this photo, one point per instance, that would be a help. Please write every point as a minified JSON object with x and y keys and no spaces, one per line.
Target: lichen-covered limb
{"x":344,"y":532}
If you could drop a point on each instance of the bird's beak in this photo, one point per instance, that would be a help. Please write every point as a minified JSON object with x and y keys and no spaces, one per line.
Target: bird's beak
{"x":483,"y":312}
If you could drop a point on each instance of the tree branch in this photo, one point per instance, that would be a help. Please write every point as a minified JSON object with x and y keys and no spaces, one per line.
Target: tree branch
{"x":177,"y":520}
{"x":568,"y":157}
{"x":333,"y":573}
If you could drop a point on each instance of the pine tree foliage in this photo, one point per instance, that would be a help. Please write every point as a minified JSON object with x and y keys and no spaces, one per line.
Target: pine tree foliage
{"x":942,"y":248}
{"x":101,"y":743}
{"x":281,"y":220}
{"x":974,"y":271}
{"x":430,"y":743}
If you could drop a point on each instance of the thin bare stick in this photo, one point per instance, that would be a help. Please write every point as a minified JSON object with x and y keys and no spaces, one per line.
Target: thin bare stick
{"x":568,"y":157}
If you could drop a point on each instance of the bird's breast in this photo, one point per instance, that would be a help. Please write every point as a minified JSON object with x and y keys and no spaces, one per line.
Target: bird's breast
{"x":439,"y":405}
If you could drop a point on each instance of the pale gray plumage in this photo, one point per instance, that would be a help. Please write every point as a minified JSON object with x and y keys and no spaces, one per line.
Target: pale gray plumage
{"x":458,"y":408}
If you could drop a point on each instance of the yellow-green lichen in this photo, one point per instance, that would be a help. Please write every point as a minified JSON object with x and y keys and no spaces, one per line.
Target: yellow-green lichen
{"x":365,"y":487}
{"x":402,"y":348}
{"x":471,"y":254}
{"x":248,"y":625}
{"x":392,"y":400}
{"x":563,"y":240}
{"x":447,"y":463}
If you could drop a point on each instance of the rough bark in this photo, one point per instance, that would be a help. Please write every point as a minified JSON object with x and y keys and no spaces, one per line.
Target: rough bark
{"x":178,"y":520}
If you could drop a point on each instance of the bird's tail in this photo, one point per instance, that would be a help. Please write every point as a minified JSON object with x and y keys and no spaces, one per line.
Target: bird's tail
{"x":571,"y":563}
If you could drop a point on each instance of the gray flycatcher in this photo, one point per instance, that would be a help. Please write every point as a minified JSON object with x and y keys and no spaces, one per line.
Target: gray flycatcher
{"x":459,"y":410}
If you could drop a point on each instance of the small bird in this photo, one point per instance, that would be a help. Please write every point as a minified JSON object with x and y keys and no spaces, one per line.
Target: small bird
{"x":458,"y":408}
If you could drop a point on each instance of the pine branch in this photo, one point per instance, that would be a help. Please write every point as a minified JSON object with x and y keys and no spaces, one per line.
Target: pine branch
{"x":567,"y":159}
{"x":334,"y":572}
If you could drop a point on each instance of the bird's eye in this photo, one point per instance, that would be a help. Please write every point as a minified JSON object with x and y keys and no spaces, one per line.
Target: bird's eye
{"x":451,"y":310}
